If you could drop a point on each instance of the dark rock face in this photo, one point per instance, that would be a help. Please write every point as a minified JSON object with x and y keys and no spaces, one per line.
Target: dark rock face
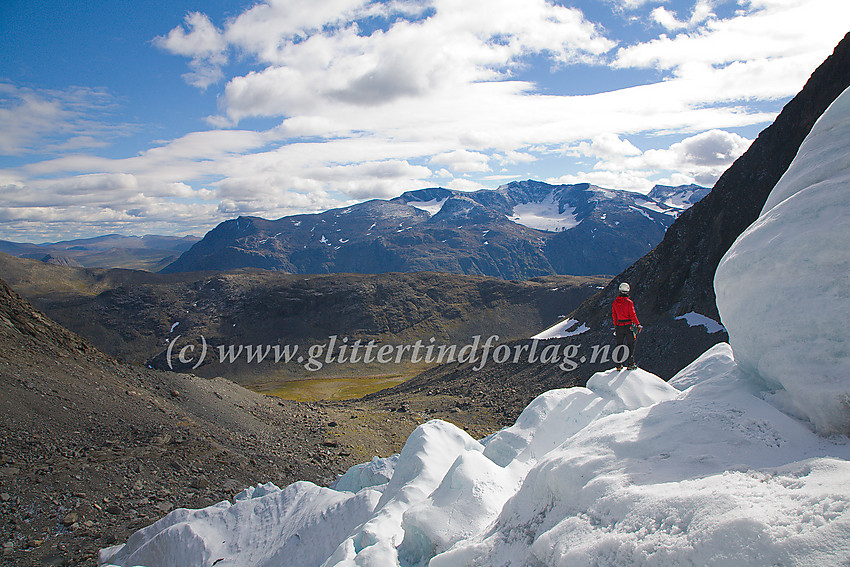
{"x":676,"y":278}
{"x":521,"y":230}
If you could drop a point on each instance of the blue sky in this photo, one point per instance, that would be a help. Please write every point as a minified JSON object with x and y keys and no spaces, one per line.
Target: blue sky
{"x":168,"y":117}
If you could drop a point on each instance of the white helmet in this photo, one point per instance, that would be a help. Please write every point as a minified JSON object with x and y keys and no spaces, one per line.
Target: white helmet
{"x":624,"y":288}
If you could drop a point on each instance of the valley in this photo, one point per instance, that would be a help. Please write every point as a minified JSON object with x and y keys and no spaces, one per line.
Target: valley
{"x":136,"y":315}
{"x":94,"y":449}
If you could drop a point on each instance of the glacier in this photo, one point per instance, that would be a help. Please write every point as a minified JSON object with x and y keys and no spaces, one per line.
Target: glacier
{"x":741,"y":459}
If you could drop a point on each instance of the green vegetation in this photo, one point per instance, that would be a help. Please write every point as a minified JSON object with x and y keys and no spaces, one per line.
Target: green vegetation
{"x":343,"y":388}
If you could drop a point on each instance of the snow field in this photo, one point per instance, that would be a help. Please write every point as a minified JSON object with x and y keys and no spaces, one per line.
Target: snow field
{"x":562,"y":329}
{"x":545,"y":215}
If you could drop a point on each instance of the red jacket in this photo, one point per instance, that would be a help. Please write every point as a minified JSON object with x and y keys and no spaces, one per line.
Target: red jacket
{"x":623,"y":311}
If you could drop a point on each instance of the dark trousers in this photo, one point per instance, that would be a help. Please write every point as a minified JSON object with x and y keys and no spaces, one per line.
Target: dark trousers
{"x":625,"y":336}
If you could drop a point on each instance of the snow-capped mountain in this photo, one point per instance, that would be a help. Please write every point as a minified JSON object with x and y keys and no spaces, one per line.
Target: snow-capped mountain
{"x":680,"y":197}
{"x":520,"y":230}
{"x":722,"y":465}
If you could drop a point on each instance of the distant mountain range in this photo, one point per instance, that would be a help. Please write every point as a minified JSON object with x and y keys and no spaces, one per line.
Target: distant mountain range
{"x":518,"y":231}
{"x":150,"y":252}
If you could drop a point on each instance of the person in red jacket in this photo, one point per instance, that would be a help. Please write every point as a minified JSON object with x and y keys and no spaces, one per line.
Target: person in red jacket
{"x":626,"y":324}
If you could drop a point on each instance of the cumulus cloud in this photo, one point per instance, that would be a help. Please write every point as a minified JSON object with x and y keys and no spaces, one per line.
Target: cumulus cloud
{"x":701,"y":159}
{"x":702,"y":11}
{"x":205,"y":45}
{"x":768,"y":29}
{"x":322,"y":55}
{"x":460,"y":184}
{"x":704,"y":156}
{"x":714,"y":148}
{"x":620,"y":179}
{"x":232,"y":201}
{"x":463,"y":161}
{"x":607,"y":145}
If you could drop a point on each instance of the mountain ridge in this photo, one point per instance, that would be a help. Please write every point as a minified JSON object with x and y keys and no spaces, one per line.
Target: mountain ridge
{"x":518,"y":231}
{"x":150,"y":252}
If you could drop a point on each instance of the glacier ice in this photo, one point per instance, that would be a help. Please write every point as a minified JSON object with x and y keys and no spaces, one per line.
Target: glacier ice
{"x":783,"y":288}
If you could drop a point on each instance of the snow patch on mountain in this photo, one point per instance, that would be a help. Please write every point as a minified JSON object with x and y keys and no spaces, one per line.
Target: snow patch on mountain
{"x":562,"y":329}
{"x":694,"y":319}
{"x":654,"y":206}
{"x":432,"y":207}
{"x":545,"y":215}
{"x":681,"y":197}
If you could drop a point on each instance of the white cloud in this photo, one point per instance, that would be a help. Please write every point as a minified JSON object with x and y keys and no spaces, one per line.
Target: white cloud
{"x":667,"y":19}
{"x":636,"y":181}
{"x":202,"y":43}
{"x":713,"y":149}
{"x":769,"y":29}
{"x":309,"y":66}
{"x":607,"y":145}
{"x":513,"y":157}
{"x":702,"y":11}
{"x":463,"y":161}
{"x":701,"y":159}
{"x":463,"y":185}
{"x":54,"y":121}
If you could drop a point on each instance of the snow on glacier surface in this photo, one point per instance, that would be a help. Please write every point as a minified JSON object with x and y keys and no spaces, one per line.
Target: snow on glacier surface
{"x":545,"y":215}
{"x":628,"y":471}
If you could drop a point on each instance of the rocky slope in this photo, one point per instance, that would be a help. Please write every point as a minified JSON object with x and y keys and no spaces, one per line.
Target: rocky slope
{"x":521,"y":230}
{"x":92,"y":449}
{"x":673,"y":284}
